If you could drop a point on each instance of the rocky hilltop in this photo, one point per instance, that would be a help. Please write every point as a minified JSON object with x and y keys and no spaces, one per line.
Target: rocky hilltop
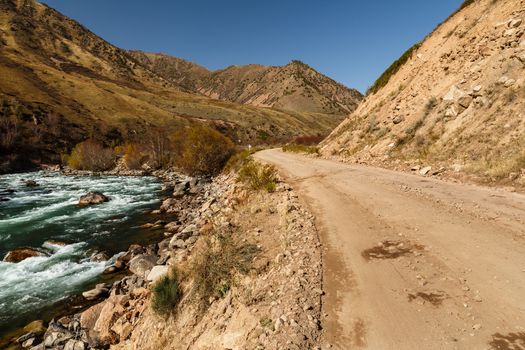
{"x":61,"y":83}
{"x":454,"y":102}
{"x":294,"y":87}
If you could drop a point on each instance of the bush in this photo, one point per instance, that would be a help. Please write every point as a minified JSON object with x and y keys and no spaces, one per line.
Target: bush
{"x":237,"y":160}
{"x":203,"y":151}
{"x":258,"y":176}
{"x":91,"y":155}
{"x":215,"y":265}
{"x":132,"y":155}
{"x":166,"y":295}
{"x":295,"y":148}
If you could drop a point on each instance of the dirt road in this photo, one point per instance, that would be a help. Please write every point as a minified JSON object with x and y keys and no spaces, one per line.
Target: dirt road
{"x":412,"y":262}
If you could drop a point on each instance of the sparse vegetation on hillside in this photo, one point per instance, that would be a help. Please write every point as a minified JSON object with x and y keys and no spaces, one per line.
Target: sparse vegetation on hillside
{"x":393,"y":69}
{"x":298,"y":148}
{"x":215,"y":265}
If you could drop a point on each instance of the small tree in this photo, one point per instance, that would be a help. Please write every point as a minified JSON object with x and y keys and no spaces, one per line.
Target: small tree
{"x":91,"y":155}
{"x":132,"y":155}
{"x":203,"y":151}
{"x":157,"y":146}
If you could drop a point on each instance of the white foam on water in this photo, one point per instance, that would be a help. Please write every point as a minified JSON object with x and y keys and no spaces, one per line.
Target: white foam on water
{"x":39,"y":281}
{"x":36,"y":282}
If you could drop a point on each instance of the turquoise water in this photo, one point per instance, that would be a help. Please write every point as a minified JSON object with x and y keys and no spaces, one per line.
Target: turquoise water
{"x":31,"y":216}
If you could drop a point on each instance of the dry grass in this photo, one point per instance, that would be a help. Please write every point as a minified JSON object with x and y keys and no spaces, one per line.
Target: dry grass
{"x":215,"y":265}
{"x":258,"y":176}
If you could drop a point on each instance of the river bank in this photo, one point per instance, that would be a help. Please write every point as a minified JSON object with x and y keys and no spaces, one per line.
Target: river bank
{"x":276,"y":303}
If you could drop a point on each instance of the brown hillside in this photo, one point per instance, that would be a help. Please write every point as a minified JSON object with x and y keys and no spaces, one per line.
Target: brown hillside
{"x":294,"y":87}
{"x":454,"y":101}
{"x":61,"y":84}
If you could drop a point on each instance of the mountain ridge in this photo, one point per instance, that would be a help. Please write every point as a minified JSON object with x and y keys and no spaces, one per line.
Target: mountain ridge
{"x":295,"y":86}
{"x":62,"y":83}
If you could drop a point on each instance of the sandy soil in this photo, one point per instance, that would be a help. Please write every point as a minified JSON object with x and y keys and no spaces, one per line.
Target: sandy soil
{"x":412,"y":262}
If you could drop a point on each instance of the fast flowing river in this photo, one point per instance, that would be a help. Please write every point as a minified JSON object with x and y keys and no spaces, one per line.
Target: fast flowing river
{"x":29,"y":217}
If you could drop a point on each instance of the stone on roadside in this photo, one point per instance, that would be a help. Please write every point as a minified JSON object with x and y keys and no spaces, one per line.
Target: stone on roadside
{"x":425,"y":170}
{"x":157,"y":272}
{"x":142,"y":264}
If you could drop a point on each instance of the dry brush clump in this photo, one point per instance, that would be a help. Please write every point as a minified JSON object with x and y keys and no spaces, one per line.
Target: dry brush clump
{"x":258,"y":176}
{"x":202,"y":150}
{"x":217,"y":262}
{"x":133,"y":155}
{"x":91,"y":155}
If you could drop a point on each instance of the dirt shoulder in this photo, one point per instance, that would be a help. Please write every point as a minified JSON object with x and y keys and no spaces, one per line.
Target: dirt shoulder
{"x":413,"y":262}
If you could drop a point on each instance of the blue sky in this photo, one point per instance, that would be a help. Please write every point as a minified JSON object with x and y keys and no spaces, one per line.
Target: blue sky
{"x":351,"y":41}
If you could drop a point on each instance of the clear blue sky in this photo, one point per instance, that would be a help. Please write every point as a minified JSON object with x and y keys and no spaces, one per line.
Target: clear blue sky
{"x":351,"y":41}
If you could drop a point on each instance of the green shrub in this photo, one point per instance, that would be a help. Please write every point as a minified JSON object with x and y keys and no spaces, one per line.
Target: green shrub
{"x":166,"y":295}
{"x":393,"y":69}
{"x":91,"y":155}
{"x":202,"y":151}
{"x":258,"y":176}
{"x":215,"y":266}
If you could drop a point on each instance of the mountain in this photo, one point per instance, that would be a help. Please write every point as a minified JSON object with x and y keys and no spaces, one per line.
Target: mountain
{"x":61,"y":84}
{"x":294,"y":87}
{"x":454,"y":100}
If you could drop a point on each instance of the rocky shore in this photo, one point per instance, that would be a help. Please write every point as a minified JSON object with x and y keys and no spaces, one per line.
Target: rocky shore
{"x":276,"y":305}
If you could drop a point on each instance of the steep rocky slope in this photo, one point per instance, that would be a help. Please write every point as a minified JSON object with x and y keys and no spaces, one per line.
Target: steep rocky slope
{"x":61,"y":83}
{"x":295,"y":87}
{"x":455,"y":101}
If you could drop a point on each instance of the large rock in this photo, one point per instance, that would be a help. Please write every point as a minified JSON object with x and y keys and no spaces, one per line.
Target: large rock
{"x":93,"y":198}
{"x":142,"y":264}
{"x":98,"y":320}
{"x":453,"y":94}
{"x":168,"y":203}
{"x":172,"y":226}
{"x":20,"y":254}
{"x":99,"y":292}
{"x":157,"y":272}
{"x":89,"y":317}
{"x":31,"y":183}
{"x":465,"y":101}
{"x":73,"y":344}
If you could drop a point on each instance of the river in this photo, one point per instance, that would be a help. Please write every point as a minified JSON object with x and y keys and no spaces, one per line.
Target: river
{"x":30,"y":216}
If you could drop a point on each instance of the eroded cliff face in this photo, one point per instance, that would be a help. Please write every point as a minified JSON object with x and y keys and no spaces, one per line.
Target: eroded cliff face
{"x":456,"y":104}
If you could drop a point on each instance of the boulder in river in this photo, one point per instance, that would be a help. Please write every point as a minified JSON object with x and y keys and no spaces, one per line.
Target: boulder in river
{"x":93,"y":198}
{"x":20,"y":254}
{"x":31,"y":183}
